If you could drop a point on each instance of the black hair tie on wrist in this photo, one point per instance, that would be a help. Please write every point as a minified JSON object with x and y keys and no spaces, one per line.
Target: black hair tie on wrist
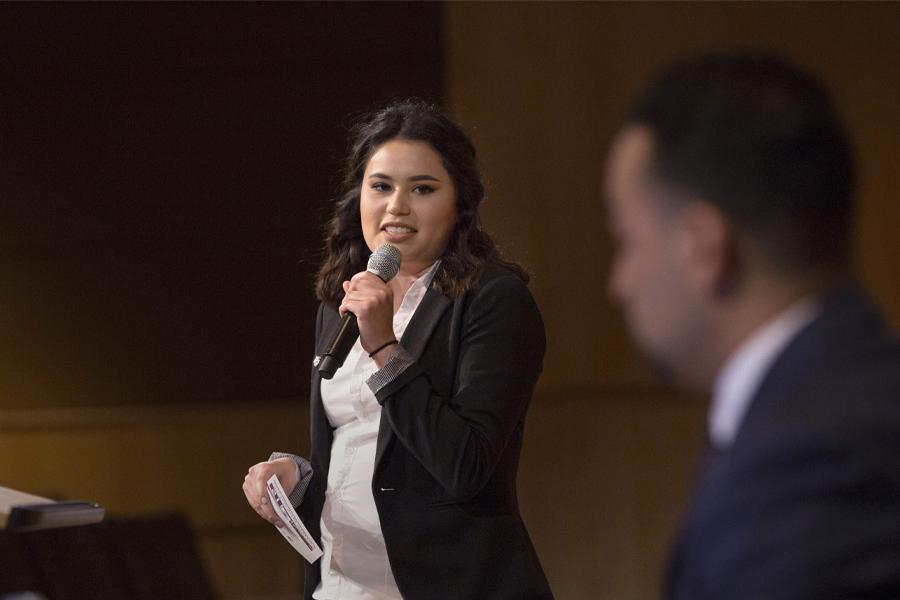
{"x":382,"y":347}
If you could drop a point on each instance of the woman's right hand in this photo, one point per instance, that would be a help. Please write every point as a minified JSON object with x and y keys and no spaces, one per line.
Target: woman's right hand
{"x":255,"y":485}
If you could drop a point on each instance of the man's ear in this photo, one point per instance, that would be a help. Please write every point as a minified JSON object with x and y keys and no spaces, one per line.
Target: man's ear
{"x":708,"y":247}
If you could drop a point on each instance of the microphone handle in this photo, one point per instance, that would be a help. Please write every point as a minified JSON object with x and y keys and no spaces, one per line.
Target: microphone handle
{"x":337,"y":353}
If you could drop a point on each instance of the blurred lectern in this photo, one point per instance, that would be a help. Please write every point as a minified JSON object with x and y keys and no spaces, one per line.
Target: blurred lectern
{"x":24,"y":512}
{"x":139,"y":558}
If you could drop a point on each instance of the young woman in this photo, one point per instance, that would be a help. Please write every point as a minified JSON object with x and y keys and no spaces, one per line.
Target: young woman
{"x":416,"y":439}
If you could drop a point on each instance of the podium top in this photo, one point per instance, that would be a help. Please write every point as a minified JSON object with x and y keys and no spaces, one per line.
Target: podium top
{"x":22,"y":512}
{"x":9,"y":497}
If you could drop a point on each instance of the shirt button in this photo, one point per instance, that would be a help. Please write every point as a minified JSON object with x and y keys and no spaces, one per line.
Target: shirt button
{"x":350,"y":450}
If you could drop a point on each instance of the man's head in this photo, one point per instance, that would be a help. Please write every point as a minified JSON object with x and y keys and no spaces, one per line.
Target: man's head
{"x":730,"y":188}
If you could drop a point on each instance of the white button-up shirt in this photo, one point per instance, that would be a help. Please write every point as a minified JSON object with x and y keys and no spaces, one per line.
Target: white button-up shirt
{"x":742,"y":375}
{"x":355,"y":563}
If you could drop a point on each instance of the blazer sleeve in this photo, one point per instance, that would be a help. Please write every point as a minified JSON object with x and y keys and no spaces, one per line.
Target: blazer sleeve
{"x":459,"y":440}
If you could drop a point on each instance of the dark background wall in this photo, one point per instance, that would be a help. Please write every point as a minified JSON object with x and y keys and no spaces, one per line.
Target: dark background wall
{"x":165,"y":172}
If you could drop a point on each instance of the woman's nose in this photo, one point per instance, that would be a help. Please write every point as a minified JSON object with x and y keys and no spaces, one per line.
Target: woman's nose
{"x":398,"y":204}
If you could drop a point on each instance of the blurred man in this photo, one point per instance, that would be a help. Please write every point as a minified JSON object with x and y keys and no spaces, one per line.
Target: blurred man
{"x":730,"y":189}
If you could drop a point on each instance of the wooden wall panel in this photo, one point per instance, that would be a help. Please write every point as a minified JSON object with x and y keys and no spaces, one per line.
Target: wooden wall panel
{"x":603,"y":479}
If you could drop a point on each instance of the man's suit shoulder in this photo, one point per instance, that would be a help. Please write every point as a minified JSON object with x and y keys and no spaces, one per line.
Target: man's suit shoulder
{"x":849,"y":391}
{"x":857,"y":395}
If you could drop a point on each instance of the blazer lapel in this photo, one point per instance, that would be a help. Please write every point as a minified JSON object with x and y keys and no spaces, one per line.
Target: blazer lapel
{"x":423,"y":322}
{"x":322,"y":429}
{"x":331,"y":322}
{"x":682,"y":551}
{"x":414,"y":340}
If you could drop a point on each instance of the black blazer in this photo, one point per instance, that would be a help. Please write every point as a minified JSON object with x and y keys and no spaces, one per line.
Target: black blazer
{"x":448,"y":446}
{"x":806,"y":503}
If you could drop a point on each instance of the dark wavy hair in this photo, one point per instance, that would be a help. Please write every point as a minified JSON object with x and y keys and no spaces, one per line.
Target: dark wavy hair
{"x":469,"y":248}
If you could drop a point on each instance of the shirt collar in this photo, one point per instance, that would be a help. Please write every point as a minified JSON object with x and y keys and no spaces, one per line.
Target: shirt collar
{"x":415,"y":293}
{"x":744,"y":371}
{"x":426,"y":277}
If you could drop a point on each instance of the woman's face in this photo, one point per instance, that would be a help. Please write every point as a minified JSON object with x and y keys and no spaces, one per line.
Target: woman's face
{"x":408,"y":200}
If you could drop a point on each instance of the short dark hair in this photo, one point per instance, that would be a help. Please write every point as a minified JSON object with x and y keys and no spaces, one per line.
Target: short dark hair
{"x":761,"y":139}
{"x":469,"y":248}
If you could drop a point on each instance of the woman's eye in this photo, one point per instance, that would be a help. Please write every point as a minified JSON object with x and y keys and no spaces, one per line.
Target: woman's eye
{"x":423,"y":189}
{"x":381,"y":187}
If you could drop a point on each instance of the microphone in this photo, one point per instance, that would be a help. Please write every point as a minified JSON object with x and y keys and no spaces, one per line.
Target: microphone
{"x":384,"y":262}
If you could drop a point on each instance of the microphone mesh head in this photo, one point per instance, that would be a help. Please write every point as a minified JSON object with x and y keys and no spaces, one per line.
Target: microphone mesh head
{"x":385,"y":262}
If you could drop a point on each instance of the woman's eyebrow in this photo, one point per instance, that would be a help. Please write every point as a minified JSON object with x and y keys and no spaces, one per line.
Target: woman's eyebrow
{"x":423,"y":177}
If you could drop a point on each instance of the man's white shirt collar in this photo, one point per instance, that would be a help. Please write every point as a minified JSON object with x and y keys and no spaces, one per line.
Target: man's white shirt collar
{"x":740,"y":378}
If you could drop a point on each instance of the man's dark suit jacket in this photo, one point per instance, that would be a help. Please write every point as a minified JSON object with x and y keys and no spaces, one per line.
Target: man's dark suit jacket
{"x":448,"y":446}
{"x":806,"y":503}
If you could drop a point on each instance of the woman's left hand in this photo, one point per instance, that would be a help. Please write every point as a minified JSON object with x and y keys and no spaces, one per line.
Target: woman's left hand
{"x":372,"y":301}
